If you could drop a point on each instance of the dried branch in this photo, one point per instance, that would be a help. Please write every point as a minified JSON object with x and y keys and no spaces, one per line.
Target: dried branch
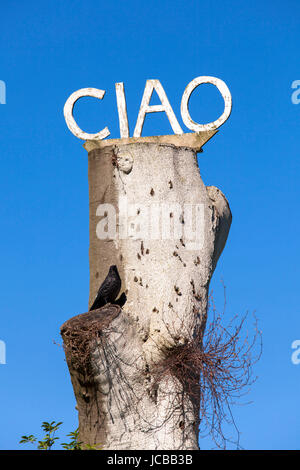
{"x":215,"y":370}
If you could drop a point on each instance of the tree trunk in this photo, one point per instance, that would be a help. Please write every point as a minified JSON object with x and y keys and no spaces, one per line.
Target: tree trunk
{"x":170,"y":231}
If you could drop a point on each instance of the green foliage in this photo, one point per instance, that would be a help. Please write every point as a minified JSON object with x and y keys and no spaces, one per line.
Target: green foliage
{"x":49,"y":438}
{"x":26,"y":439}
{"x":73,"y":444}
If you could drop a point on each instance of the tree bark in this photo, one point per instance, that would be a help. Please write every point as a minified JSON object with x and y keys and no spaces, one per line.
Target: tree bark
{"x":113,"y":353}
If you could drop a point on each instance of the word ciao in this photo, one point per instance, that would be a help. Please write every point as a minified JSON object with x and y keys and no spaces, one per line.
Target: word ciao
{"x":146,"y":108}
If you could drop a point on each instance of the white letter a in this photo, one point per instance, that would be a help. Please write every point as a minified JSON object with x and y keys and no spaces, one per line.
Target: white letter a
{"x":164,"y":106}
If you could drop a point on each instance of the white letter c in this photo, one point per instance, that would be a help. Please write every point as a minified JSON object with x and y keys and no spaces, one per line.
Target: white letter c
{"x":68,"y":113}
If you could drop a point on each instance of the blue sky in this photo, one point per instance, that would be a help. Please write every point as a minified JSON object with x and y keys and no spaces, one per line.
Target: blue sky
{"x":48,"y":49}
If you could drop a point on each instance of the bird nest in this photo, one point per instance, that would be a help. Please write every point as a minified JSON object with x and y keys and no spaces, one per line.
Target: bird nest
{"x":80,"y":332}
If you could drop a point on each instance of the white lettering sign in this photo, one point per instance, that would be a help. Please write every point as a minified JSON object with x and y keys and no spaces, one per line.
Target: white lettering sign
{"x":146,"y":108}
{"x":222,"y":87}
{"x":163,"y":107}
{"x":68,"y":112}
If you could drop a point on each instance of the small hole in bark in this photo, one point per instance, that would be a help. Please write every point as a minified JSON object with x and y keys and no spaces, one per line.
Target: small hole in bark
{"x":177,"y":290}
{"x":114,"y":160}
{"x":152,"y":192}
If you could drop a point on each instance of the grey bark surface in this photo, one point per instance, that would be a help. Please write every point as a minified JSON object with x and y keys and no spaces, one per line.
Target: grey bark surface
{"x":166,"y":284}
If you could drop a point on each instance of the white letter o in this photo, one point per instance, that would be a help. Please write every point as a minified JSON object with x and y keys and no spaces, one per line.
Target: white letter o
{"x":223,"y":89}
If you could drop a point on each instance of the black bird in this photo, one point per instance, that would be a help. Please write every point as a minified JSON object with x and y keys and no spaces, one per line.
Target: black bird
{"x":109,"y":289}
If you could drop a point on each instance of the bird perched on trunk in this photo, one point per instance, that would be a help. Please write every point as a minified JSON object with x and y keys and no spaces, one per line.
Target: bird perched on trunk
{"x":109,"y":289}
